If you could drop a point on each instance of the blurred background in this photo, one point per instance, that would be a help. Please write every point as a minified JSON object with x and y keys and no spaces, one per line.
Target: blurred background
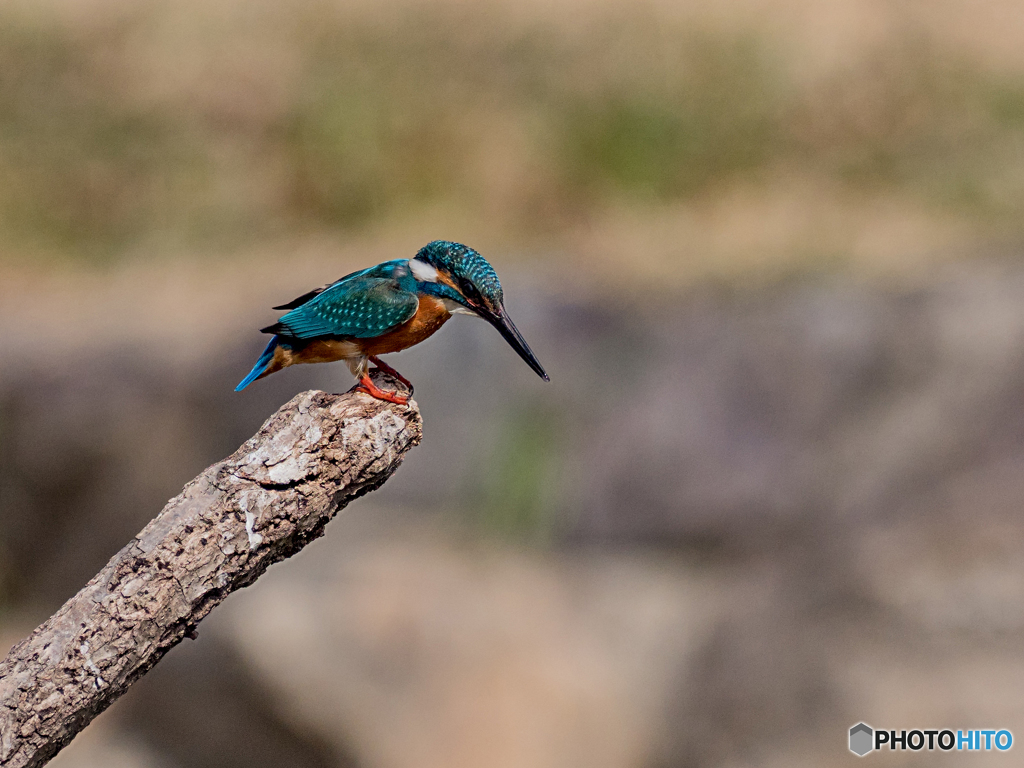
{"x":770,"y":252}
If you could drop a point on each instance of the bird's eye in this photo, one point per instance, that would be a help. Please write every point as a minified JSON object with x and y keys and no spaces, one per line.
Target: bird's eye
{"x":470,"y":291}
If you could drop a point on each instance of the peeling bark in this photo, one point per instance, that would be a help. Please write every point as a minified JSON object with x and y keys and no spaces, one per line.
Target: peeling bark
{"x":262,"y":504}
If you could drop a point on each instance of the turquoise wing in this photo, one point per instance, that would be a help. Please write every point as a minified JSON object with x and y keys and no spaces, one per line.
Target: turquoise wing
{"x":387,"y":269}
{"x":360,"y":307}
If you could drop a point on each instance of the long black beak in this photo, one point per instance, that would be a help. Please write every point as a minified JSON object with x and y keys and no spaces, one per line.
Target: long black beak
{"x":512,"y":335}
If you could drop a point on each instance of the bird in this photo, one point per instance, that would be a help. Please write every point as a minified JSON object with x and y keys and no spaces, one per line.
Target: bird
{"x":387,"y":308}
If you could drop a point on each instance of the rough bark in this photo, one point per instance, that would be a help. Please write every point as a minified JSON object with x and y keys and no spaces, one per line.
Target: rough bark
{"x":255,"y":508}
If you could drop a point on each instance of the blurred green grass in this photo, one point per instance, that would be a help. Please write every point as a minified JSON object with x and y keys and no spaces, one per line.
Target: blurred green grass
{"x":704,"y":110}
{"x":525,"y":127}
{"x":518,"y":495}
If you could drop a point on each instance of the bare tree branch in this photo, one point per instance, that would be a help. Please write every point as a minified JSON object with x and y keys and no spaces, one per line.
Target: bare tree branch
{"x":259,"y":506}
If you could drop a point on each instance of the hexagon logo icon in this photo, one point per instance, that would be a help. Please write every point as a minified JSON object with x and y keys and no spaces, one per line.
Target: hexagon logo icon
{"x":861,"y":739}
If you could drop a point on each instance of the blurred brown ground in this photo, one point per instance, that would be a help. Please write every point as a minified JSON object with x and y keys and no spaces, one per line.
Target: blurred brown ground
{"x":767,"y":249}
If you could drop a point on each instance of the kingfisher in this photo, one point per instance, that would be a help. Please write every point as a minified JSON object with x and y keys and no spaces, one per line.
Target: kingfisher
{"x":388,"y":308}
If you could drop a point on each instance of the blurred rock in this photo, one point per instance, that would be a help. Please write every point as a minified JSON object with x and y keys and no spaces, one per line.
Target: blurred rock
{"x":767,"y":516}
{"x":421,"y":650}
{"x":204,"y":707}
{"x":105,"y":745}
{"x":836,"y":400}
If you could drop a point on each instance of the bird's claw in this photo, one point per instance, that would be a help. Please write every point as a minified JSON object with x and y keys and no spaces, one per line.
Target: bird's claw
{"x":366,"y":385}
{"x":382,"y":366}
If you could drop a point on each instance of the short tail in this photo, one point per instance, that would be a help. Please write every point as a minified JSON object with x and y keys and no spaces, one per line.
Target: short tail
{"x":261,"y":365}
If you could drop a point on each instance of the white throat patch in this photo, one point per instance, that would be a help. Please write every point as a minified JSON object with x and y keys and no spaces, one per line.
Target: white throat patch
{"x":423,"y":271}
{"x":454,"y":308}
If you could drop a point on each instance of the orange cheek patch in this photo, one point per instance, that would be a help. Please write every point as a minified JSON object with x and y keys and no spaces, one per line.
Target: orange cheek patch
{"x":447,"y":280}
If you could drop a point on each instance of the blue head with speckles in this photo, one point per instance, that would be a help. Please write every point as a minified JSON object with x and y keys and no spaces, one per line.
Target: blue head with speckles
{"x":471,"y":275}
{"x":464,"y":276}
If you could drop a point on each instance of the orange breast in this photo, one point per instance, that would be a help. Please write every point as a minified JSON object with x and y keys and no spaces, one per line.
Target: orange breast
{"x":430,"y":315}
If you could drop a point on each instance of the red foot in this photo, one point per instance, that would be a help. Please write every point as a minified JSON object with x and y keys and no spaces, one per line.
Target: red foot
{"x":390,"y":371}
{"x":367,"y":386}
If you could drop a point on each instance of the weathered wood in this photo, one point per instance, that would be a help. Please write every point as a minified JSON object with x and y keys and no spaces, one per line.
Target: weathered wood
{"x":255,"y":508}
